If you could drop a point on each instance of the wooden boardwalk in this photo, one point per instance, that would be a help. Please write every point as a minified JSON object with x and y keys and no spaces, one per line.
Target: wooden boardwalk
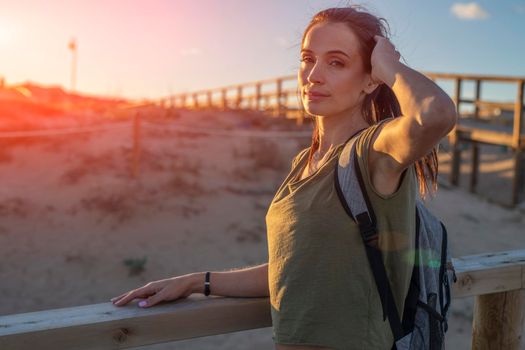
{"x":491,"y":122}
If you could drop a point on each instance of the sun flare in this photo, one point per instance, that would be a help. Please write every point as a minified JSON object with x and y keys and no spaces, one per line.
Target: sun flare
{"x":5,"y":33}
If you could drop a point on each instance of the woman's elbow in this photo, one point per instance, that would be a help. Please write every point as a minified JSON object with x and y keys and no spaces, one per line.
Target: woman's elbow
{"x":446,"y":113}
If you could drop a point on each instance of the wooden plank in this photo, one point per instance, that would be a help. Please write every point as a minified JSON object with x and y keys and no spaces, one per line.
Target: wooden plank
{"x":508,"y":106}
{"x":488,"y":273}
{"x":105,"y":326}
{"x":484,"y":136}
{"x":452,"y":76}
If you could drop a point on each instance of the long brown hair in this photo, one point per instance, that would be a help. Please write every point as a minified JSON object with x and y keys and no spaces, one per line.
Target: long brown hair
{"x":382,"y":103}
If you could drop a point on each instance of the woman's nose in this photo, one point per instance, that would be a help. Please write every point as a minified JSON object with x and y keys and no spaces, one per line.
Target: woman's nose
{"x":316,"y":74}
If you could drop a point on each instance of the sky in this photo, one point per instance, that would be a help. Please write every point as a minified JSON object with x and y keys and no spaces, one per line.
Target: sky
{"x":151,"y":49}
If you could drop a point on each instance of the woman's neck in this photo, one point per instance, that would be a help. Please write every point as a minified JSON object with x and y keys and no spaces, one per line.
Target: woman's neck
{"x":334,"y":130}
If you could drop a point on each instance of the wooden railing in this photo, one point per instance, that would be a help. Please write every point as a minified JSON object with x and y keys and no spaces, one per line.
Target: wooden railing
{"x":497,"y":280}
{"x":276,"y":96}
{"x":473,"y":130}
{"x":281,"y":98}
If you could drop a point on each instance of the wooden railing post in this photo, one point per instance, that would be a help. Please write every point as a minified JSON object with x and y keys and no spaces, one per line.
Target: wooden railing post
{"x":195,"y":101}
{"x":455,"y":140}
{"x":518,"y":116}
{"x":257,"y":95}
{"x":475,"y":166}
{"x":517,"y":182}
{"x":208,"y":94}
{"x":279,"y":83}
{"x":498,"y":321}
{"x":224,"y":99}
{"x":284,"y":104}
{"x":477,"y":98}
{"x":239,"y":97}
{"x":475,"y":145}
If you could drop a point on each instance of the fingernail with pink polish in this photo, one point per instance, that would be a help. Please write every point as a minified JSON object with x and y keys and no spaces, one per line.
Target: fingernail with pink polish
{"x":142,"y":303}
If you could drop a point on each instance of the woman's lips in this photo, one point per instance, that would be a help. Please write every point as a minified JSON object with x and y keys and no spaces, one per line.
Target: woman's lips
{"x":315,"y":97}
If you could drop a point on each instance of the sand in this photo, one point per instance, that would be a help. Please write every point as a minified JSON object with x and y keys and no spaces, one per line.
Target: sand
{"x":72,"y":214}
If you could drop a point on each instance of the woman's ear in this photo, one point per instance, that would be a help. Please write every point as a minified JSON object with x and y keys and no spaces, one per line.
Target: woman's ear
{"x":371,"y":85}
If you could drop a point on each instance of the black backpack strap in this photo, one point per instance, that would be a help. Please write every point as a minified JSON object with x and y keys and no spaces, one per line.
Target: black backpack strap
{"x":352,"y":194}
{"x":444,"y":278}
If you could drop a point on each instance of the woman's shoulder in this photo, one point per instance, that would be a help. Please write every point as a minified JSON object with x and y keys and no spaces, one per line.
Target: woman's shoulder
{"x":385,"y":190}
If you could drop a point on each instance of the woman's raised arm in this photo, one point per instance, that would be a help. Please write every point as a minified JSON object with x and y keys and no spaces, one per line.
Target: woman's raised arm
{"x":428,"y":113}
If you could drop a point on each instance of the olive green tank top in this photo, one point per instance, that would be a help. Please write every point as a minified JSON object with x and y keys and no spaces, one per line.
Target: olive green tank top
{"x":322,"y":290}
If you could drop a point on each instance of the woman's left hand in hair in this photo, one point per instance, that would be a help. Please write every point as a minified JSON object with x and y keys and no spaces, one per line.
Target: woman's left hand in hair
{"x":384,"y":55}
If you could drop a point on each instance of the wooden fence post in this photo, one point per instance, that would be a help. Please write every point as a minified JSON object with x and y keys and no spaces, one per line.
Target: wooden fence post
{"x":224,"y":99}
{"x":517,"y":182}
{"x":284,"y":106}
{"x":239,"y":97}
{"x":498,"y":321}
{"x":455,"y":140}
{"x":136,"y":145}
{"x":195,"y":101}
{"x":279,"y":93}
{"x":208,"y":93}
{"x":475,"y":145}
{"x":257,"y":95}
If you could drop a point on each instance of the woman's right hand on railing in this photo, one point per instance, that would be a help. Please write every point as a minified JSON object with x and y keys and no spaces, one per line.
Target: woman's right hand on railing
{"x":162,"y":290}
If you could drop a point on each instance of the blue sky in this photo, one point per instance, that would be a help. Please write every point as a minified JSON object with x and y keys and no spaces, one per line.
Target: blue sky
{"x":150,"y":49}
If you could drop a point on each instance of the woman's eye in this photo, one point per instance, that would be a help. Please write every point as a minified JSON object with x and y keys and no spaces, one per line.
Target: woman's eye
{"x":307,"y":59}
{"x":339,"y":63}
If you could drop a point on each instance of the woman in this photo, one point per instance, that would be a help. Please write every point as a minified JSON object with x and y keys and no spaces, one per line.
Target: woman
{"x":322,"y":291}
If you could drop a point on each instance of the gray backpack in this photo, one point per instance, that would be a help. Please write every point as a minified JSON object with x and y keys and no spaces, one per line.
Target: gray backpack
{"x":424,"y":320}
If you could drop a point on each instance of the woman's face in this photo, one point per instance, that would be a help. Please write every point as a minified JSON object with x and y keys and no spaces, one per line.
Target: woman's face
{"x":331,"y":65}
